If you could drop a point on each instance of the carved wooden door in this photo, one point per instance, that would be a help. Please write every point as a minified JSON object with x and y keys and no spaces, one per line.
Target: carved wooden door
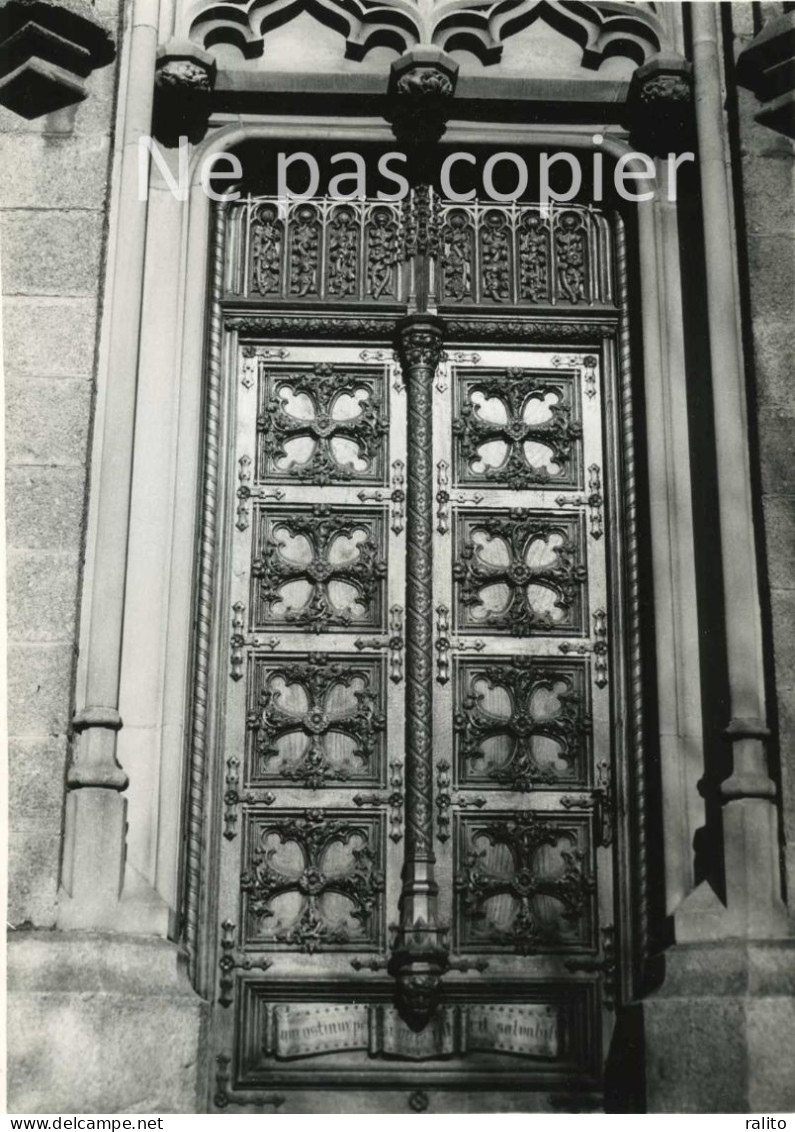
{"x":491,"y":914}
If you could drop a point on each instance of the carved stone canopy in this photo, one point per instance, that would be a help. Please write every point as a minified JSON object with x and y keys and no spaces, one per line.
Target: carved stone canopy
{"x":47,"y":50}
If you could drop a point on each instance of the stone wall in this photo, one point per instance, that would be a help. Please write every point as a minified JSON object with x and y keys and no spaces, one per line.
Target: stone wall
{"x":768,"y":217}
{"x":54,"y":189}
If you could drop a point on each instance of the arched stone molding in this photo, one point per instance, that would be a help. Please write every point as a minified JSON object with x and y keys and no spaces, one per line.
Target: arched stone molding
{"x":601,"y":30}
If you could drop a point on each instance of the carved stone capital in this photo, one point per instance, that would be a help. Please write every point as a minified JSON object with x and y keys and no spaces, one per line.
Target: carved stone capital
{"x":420,"y":342}
{"x":47,"y":50}
{"x":422,"y":84}
{"x":660,"y":103}
{"x":184,"y":82}
{"x":767,"y":67}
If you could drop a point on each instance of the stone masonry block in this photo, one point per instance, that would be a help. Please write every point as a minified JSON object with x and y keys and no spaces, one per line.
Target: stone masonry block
{"x":33,"y":864}
{"x":53,"y":172}
{"x":49,"y":337}
{"x":44,"y":507}
{"x":42,"y":595}
{"x":50,"y":253}
{"x":782,"y":604}
{"x":39,"y":687}
{"x":47,"y":421}
{"x":779,"y":511}
{"x":36,"y":775}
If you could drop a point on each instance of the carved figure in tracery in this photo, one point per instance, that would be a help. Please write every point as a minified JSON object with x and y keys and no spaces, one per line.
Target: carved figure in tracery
{"x":570,"y":254}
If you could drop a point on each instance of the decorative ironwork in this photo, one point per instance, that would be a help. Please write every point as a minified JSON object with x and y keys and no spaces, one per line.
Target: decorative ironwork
{"x":516,"y":431}
{"x":245,"y":492}
{"x":224,"y":1095}
{"x":397,"y":496}
{"x":599,"y":649}
{"x":532,"y":927}
{"x":593,"y":501}
{"x":534,"y":258}
{"x":444,"y":800}
{"x":603,"y":795}
{"x":607,"y":967}
{"x":238,"y":640}
{"x":495,"y":257}
{"x":458,"y":256}
{"x":534,"y":560}
{"x":540,"y":714}
{"x":394,"y":800}
{"x":342,"y":567}
{"x":233,"y":798}
{"x":444,"y":643}
{"x":335,"y":706}
{"x":589,"y":375}
{"x":311,"y":407}
{"x":444,"y":498}
{"x":360,"y":883}
{"x":230,"y":962}
{"x":394,"y":643}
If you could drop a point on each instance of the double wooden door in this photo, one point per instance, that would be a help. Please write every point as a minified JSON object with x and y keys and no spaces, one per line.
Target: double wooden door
{"x":313,"y":805}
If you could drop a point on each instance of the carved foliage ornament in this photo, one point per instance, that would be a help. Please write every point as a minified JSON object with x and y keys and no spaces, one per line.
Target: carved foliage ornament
{"x":517,"y":392}
{"x":482,"y":875}
{"x":544,"y":709}
{"x":519,"y":572}
{"x":336,"y":555}
{"x":331,"y":700}
{"x":338,"y":855}
{"x":344,"y":445}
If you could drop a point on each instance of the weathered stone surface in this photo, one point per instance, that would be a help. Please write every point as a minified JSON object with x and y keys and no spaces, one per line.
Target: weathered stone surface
{"x":50,"y":253}
{"x":776,"y":433}
{"x":33,"y":859}
{"x":36,"y":781}
{"x":109,"y":1022}
{"x":69,"y":172}
{"x":44,"y":507}
{"x":42,"y":595}
{"x":722,"y":1008}
{"x":47,"y":421}
{"x":782,"y":604}
{"x":39,"y":681}
{"x":779,"y":511}
{"x":49,"y":337}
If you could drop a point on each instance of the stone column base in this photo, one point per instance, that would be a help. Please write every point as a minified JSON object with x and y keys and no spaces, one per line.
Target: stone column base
{"x":718,"y":1032}
{"x":102,"y":1023}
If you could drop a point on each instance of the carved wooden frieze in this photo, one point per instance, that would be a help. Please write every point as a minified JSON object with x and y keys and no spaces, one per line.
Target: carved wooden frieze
{"x":338,"y":251}
{"x":521,"y":723}
{"x":519,"y":572}
{"x":317,"y":720}
{"x":523,"y":882}
{"x":314,"y":880}
{"x":322,"y":424}
{"x":517,"y":428}
{"x":523,"y":255}
{"x":319,"y":568}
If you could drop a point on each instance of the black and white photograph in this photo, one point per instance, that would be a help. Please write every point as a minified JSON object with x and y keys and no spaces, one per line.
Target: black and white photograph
{"x":399,"y":520}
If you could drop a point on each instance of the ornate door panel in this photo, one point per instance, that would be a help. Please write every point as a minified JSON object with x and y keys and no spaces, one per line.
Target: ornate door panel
{"x":318,"y":723}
